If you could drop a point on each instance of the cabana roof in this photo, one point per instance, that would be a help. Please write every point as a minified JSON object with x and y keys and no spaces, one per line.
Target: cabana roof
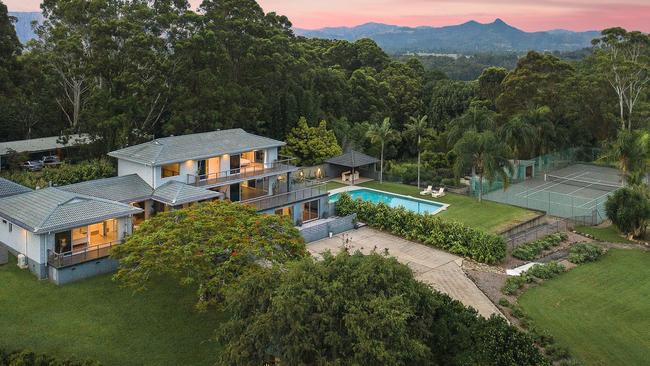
{"x":352,"y":159}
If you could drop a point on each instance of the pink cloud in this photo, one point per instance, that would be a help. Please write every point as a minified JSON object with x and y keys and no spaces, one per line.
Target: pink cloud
{"x":530,"y":15}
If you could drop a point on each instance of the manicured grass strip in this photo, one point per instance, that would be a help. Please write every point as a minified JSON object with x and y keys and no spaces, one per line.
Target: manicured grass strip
{"x":96,"y":319}
{"x":489,"y":216}
{"x":599,"y":310}
{"x":609,"y":234}
{"x":334,"y":185}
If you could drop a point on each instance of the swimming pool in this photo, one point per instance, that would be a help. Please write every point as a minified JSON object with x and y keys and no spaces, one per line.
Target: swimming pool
{"x":394,"y":200}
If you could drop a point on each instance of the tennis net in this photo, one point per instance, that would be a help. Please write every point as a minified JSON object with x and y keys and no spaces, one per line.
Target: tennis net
{"x":606,"y":187}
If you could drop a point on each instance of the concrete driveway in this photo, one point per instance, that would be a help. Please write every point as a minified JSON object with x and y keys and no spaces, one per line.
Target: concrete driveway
{"x":437,"y":268}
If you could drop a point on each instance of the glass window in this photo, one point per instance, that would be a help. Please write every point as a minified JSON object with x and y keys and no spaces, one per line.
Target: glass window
{"x":287,"y":211}
{"x":171,"y":170}
{"x":259,"y":156}
{"x":63,"y":242}
{"x":310,"y":210}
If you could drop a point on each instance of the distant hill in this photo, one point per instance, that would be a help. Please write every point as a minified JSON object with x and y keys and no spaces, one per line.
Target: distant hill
{"x":470,"y":37}
{"x":24,"y":24}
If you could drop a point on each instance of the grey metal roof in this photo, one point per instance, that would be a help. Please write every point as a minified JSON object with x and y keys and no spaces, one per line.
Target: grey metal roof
{"x":9,"y":188}
{"x":352,"y":159}
{"x":177,"y":193}
{"x":53,"y":209}
{"x":40,"y":144}
{"x":126,"y":189}
{"x":196,"y":146}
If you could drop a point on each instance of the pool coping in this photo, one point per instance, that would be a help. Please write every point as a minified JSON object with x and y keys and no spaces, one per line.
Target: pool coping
{"x":444,"y":206}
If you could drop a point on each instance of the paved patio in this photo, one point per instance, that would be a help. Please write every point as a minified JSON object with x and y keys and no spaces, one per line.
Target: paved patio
{"x":437,"y":268}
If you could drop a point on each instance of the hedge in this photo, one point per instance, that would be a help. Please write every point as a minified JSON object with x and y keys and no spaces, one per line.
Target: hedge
{"x":28,"y":358}
{"x":430,"y":230}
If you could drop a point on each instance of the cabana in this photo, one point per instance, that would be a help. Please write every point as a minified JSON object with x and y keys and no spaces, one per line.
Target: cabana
{"x":352,"y":167}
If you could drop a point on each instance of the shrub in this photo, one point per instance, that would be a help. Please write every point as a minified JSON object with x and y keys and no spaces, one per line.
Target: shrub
{"x":451,"y":236}
{"x":546,"y":271}
{"x":583,"y":253}
{"x":28,"y":358}
{"x":538,"y":271}
{"x":504,"y":302}
{"x":531,"y":250}
{"x":629,"y":210}
{"x":64,"y":174}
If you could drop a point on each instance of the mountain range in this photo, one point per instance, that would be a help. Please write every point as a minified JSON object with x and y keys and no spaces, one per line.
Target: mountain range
{"x":23,"y":24}
{"x":465,"y":38}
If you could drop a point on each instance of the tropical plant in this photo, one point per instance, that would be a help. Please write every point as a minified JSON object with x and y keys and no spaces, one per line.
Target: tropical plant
{"x":477,"y":118}
{"x":206,"y":246}
{"x":629,"y":210}
{"x":629,"y":152}
{"x":416,"y":128}
{"x":486,"y":156}
{"x":382,"y":133}
{"x":518,"y":135}
{"x":584,"y":252}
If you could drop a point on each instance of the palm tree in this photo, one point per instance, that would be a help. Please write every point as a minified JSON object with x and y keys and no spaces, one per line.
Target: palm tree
{"x":485,"y":155}
{"x":518,"y":135}
{"x":418,"y":127}
{"x":477,"y":118}
{"x":630,"y":154}
{"x":382,"y":133}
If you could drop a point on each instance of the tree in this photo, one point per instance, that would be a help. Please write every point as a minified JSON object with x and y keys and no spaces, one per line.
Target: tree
{"x":311,"y":145}
{"x":416,"y":128}
{"x":485,"y":155}
{"x":625,"y":58}
{"x":518,"y":135}
{"x":382,"y":133}
{"x":629,"y":151}
{"x":477,"y":117}
{"x":352,"y":309}
{"x":629,"y":210}
{"x":206,"y":246}
{"x":489,"y":83}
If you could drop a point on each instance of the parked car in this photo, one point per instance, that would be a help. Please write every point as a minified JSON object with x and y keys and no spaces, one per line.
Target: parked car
{"x":51,"y":160}
{"x":33,"y":165}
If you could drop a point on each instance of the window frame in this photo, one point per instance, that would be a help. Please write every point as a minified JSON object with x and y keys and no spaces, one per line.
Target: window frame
{"x":166,"y":172}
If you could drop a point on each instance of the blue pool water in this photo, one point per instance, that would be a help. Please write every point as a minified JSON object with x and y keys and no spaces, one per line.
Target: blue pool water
{"x":411,"y":204}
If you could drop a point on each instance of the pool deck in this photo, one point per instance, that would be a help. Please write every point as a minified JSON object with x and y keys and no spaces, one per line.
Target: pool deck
{"x":443,"y":206}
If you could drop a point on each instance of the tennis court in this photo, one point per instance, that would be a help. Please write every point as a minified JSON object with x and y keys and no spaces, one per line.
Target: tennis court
{"x":576,"y":191}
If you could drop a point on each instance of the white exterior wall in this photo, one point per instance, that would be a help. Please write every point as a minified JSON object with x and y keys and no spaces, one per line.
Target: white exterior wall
{"x":25,"y":242}
{"x":125,"y":167}
{"x":187,"y":167}
{"x":271,"y":155}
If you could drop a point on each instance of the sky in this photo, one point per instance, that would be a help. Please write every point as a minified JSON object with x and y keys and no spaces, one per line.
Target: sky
{"x":529,"y":15}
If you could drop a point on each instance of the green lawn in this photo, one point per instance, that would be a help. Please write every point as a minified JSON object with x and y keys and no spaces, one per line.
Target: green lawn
{"x":334,"y":185}
{"x":609,"y":234}
{"x":98,"y":320}
{"x":599,"y":310}
{"x":487,"y":215}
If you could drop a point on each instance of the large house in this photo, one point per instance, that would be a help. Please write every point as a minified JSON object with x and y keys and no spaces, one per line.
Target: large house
{"x":65,"y":233}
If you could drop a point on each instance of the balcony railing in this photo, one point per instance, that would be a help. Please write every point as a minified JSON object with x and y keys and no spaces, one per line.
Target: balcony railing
{"x":284,"y":199}
{"x":60,"y":260}
{"x":243,"y":173}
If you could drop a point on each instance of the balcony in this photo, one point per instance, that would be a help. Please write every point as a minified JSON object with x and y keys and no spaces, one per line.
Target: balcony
{"x":60,"y":260}
{"x":254,"y":170}
{"x":284,"y":199}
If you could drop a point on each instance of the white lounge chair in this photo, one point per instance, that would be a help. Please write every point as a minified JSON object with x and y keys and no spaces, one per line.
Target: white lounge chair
{"x":440,"y":193}
{"x":428,"y":191}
